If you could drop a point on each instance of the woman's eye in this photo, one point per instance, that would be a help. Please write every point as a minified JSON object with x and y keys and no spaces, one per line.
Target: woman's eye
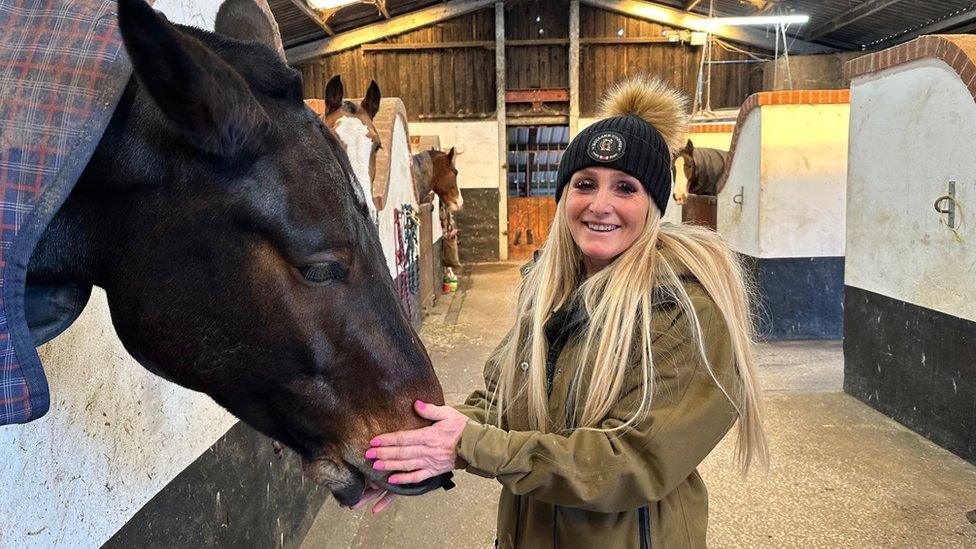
{"x":627,"y":188}
{"x":584,"y":185}
{"x":321,"y":273}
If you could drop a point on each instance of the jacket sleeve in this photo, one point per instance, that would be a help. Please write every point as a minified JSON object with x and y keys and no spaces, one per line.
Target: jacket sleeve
{"x":618,"y":471}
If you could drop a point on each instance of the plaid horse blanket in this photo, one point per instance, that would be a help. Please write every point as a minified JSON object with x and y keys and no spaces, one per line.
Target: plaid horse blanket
{"x":62,"y":72}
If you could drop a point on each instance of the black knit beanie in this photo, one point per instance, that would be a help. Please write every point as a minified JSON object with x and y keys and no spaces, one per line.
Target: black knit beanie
{"x":644,"y":121}
{"x":625,"y":143}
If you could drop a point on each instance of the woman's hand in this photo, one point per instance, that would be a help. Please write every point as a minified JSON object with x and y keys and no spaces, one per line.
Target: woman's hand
{"x":420,"y":454}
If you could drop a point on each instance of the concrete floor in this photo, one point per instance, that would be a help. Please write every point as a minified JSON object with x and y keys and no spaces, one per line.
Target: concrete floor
{"x":842,"y":475}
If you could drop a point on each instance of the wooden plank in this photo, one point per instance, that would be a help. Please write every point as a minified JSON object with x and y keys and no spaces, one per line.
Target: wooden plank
{"x":500,"y":118}
{"x":678,"y":18}
{"x":369,"y":48}
{"x":397,"y":25}
{"x":629,"y":40}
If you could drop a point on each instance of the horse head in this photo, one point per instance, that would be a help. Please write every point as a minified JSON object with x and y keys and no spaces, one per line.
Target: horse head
{"x":444,"y":179}
{"x":353,"y":124}
{"x":687,"y":154}
{"x":224,"y":223}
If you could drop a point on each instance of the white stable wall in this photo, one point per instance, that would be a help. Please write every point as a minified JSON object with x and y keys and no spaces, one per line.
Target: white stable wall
{"x":913,"y":129}
{"x":790,"y":166}
{"x":739,"y":224}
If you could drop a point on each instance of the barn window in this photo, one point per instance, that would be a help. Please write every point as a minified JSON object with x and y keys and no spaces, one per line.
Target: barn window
{"x":534,"y":153}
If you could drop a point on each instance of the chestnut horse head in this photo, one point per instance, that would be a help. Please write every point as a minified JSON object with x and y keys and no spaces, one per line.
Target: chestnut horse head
{"x":224,"y":222}
{"x":434,"y":172}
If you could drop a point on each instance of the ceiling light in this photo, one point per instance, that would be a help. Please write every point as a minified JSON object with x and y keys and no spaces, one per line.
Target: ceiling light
{"x":328,"y":4}
{"x":715,"y":22}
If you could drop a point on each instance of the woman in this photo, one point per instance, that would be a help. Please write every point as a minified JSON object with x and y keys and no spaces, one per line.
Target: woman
{"x":630,"y":359}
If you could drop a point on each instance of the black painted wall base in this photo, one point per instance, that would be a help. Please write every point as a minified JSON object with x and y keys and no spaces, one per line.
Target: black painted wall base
{"x":478,"y":225}
{"x":799,"y":297}
{"x":238,"y":494}
{"x":913,"y":364}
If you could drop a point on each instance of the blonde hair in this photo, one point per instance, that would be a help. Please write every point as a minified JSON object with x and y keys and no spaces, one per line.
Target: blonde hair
{"x":619,"y":301}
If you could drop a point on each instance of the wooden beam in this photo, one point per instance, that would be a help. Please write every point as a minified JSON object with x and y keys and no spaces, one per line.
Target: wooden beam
{"x":574,"y":67}
{"x":378,"y":31}
{"x":381,"y":6}
{"x":860,"y":11}
{"x":500,"y":113}
{"x":537,"y":42}
{"x":321,"y":18}
{"x":406,"y":46}
{"x":679,"y":18}
{"x":629,"y":40}
{"x":690,"y":4}
{"x":963,"y":18}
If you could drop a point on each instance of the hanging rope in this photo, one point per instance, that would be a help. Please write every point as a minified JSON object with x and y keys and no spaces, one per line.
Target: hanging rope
{"x":407,"y":224}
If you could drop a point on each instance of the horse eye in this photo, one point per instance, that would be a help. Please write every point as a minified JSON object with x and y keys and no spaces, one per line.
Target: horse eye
{"x":321,"y":273}
{"x":379,"y":146}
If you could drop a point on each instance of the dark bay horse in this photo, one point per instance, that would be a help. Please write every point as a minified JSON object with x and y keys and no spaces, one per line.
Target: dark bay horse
{"x":703,"y":168}
{"x":223,"y":221}
{"x":434,"y":173}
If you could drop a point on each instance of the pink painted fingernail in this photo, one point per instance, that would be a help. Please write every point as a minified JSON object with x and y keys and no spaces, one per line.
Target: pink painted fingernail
{"x":421,"y":405}
{"x":377,"y":465}
{"x":392,"y":480}
{"x":374,"y":442}
{"x":370,"y":454}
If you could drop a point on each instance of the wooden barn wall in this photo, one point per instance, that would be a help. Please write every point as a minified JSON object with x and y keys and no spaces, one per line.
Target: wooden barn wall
{"x":459,"y":82}
{"x":602,"y":65}
{"x":545,"y":66}
{"x":433,"y":83}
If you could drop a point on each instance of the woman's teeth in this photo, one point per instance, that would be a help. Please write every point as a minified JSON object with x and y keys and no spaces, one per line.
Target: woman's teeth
{"x":602,"y":228}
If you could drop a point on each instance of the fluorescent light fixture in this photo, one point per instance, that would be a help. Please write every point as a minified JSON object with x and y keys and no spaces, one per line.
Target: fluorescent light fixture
{"x":715,"y":22}
{"x":328,"y":4}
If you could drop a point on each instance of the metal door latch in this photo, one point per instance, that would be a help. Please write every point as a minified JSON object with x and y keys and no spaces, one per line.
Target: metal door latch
{"x":737,"y":199}
{"x":946,"y":204}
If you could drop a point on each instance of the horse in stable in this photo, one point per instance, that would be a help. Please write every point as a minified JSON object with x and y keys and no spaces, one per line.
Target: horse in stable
{"x":225,"y":224}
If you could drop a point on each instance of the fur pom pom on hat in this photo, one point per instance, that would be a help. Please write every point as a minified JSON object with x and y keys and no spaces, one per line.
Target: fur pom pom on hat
{"x":659,"y":105}
{"x":644,"y":122}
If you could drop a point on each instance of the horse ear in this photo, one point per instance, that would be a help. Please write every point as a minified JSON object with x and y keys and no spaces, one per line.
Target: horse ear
{"x":334,"y":92}
{"x":249,"y":20}
{"x":204,"y":97}
{"x":689,"y":147}
{"x":450,"y":155}
{"x":371,"y":103}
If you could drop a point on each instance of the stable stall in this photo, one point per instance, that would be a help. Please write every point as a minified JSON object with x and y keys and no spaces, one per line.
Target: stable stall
{"x":431,"y":231}
{"x":909,"y":312}
{"x":781,"y":207}
{"x":715,"y":132}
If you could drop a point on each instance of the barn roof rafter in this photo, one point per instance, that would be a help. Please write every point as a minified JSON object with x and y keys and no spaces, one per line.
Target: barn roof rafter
{"x":390,"y":27}
{"x":680,"y":18}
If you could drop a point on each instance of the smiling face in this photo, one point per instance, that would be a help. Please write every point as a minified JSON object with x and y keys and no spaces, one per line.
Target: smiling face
{"x":607,"y":210}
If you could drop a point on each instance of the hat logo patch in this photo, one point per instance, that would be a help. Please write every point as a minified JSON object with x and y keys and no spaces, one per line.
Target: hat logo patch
{"x":606,"y":146}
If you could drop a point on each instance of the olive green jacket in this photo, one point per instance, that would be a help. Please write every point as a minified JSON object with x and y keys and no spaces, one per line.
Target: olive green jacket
{"x":635,"y":488}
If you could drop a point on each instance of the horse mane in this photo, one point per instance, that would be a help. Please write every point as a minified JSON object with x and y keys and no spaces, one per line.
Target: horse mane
{"x":258,"y":64}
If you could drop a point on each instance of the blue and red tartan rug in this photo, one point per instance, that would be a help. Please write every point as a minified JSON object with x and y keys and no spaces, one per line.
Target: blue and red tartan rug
{"x":62,"y":71}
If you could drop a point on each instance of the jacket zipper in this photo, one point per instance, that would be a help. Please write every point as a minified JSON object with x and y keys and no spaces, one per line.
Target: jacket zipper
{"x":555,"y":515}
{"x":518,"y":520}
{"x":644,"y":528}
